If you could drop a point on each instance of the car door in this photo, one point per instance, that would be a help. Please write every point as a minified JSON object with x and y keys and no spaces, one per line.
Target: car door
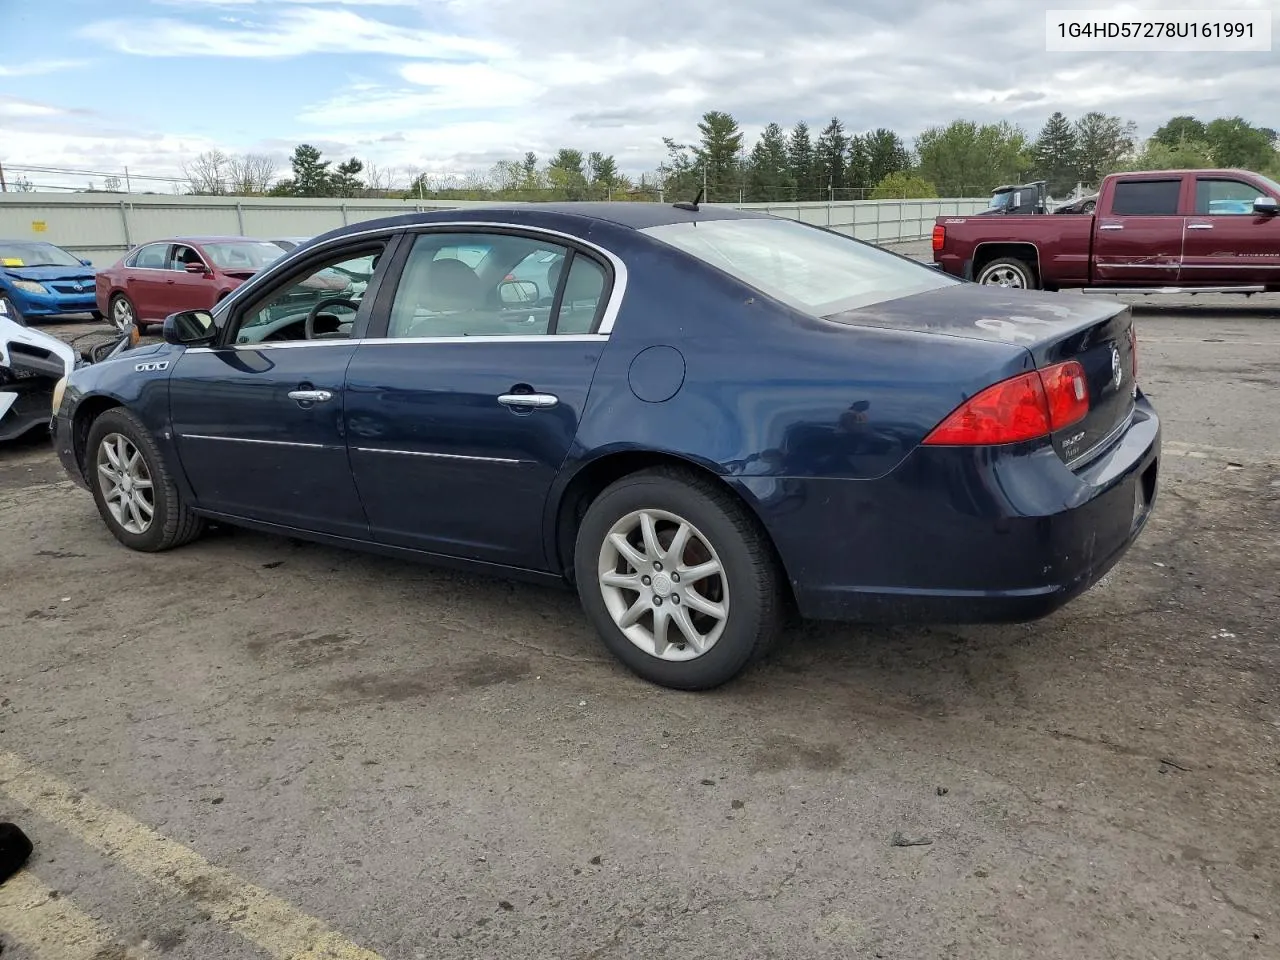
{"x":459,"y":418}
{"x":1226,"y":241}
{"x":259,"y":417}
{"x":1139,"y":237}
{"x":148,"y":282}
{"x":187,"y":290}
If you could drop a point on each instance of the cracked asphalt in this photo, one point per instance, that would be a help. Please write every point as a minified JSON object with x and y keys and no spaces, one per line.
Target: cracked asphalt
{"x":436,"y":765}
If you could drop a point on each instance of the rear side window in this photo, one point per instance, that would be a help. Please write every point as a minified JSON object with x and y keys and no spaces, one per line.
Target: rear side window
{"x":1146,"y":198}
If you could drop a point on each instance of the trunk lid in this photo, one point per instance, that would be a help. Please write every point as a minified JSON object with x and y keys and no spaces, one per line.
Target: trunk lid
{"x":1053,"y":327}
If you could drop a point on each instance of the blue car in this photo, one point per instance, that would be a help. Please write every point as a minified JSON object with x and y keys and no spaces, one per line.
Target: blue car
{"x":40,"y":280}
{"x":721,"y":418}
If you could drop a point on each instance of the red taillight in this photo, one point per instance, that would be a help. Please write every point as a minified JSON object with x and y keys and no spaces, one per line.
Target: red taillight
{"x":939,"y":236}
{"x":1024,"y":407}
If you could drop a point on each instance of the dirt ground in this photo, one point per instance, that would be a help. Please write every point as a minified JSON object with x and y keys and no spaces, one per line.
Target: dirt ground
{"x":253,"y":747}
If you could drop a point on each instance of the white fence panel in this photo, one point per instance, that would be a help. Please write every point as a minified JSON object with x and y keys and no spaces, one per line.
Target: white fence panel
{"x":101,"y":227}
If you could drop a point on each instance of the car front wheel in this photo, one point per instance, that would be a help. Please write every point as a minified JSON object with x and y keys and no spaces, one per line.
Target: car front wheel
{"x":132,"y":486}
{"x":678,"y":579}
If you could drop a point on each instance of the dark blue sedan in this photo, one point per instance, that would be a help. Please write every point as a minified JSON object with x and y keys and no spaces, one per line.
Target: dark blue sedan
{"x":705,"y":420}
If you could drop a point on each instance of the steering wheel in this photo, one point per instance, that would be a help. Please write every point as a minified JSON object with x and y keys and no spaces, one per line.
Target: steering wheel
{"x":309,"y":326}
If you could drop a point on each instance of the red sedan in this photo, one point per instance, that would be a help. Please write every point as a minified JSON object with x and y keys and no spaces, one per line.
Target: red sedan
{"x":181,"y":273}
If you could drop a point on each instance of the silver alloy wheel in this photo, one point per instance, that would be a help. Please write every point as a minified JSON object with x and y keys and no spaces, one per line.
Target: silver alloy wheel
{"x":126,"y":483}
{"x":664,"y":585}
{"x":1004,"y":276}
{"x":121,"y":313}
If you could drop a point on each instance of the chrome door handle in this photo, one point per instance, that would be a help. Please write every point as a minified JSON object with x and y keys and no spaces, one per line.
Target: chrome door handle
{"x":1111,"y":226}
{"x":540,"y":400}
{"x":310,"y":396}
{"x":1199,"y":226}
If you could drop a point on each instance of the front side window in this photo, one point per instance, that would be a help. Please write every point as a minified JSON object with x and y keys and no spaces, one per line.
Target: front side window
{"x":493,"y":285}
{"x":816,"y":271}
{"x":321,"y":303}
{"x":182,"y":256}
{"x":1146,"y":198}
{"x":1224,"y":197}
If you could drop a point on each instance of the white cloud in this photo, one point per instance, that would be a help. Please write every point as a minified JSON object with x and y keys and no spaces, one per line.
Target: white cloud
{"x":39,"y":67}
{"x":290,"y":33}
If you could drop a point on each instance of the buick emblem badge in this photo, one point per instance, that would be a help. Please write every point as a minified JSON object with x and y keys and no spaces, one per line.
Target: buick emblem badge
{"x":1117,"y":371}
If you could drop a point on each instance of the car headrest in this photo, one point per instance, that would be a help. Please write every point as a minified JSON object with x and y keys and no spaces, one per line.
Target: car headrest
{"x":452,"y":285}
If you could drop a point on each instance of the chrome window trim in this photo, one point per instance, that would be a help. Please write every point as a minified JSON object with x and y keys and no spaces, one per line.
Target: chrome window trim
{"x":440,"y":456}
{"x":607,"y":319}
{"x":272,"y":443}
{"x":379,"y":341}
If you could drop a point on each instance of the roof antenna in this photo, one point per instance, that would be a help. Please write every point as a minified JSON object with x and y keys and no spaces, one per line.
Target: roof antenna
{"x":686,"y":205}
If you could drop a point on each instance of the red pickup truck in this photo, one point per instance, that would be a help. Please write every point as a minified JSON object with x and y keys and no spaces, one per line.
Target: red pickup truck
{"x":1162,"y":231}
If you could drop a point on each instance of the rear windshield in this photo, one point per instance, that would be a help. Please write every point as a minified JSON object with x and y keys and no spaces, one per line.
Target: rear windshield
{"x":813,"y":270}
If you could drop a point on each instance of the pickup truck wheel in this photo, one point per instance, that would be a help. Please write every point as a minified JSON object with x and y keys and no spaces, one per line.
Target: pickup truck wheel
{"x":1009,"y":272}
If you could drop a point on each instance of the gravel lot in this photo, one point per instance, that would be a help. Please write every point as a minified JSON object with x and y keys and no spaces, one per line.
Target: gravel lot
{"x":217,"y":749}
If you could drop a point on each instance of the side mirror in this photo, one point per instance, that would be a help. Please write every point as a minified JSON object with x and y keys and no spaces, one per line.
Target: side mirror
{"x":1265,"y":205}
{"x":189,"y":328}
{"x":197,"y":268}
{"x":518,"y":292}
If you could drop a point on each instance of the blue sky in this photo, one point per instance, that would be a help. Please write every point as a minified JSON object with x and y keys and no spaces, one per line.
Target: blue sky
{"x":454,"y":85}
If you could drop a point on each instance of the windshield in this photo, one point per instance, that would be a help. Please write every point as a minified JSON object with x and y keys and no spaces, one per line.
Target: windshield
{"x":242,"y":255}
{"x":1000,"y":201}
{"x":19,"y":254}
{"x":813,"y":270}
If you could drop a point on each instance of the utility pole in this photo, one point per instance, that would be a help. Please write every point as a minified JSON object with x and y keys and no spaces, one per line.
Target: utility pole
{"x":4,"y":188}
{"x":128,"y":187}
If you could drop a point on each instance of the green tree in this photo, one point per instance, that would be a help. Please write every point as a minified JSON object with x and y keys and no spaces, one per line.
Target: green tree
{"x":901,"y":185}
{"x":718,"y":155}
{"x":565,"y":174}
{"x":1179,"y":129}
{"x":800,"y":159}
{"x":857,"y":172}
{"x":1056,"y":153}
{"x":345,"y":182}
{"x":886,"y":154}
{"x":831,"y":153}
{"x":965,"y":159}
{"x":768,"y":171}
{"x":602,"y":175}
{"x":1181,"y":155}
{"x":1238,"y":143}
{"x":681,"y":177}
{"x":1104,"y":143}
{"x":311,"y":175}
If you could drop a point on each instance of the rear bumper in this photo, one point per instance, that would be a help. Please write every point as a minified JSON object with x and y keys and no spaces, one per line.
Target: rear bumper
{"x":965,"y":536}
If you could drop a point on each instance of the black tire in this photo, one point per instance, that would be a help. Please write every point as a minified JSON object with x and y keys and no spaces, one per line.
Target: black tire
{"x":172,"y":523}
{"x":1024,"y":271}
{"x":97,"y":315}
{"x":133,"y":311}
{"x":751,"y":573}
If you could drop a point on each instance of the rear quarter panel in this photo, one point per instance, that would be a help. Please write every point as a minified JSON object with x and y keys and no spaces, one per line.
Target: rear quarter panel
{"x":1062,"y":244}
{"x":763,"y":391}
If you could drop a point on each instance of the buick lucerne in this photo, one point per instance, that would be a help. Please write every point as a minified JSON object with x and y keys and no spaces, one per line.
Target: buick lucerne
{"x":702,"y":419}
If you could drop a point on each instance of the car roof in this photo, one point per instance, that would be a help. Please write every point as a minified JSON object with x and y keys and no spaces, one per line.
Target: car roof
{"x":575,"y":214}
{"x":196,"y":239}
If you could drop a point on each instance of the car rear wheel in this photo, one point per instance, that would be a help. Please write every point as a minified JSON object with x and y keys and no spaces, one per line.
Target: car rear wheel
{"x":132,"y":486}
{"x":678,"y":579}
{"x":122,"y":312}
{"x":1008,"y":272}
